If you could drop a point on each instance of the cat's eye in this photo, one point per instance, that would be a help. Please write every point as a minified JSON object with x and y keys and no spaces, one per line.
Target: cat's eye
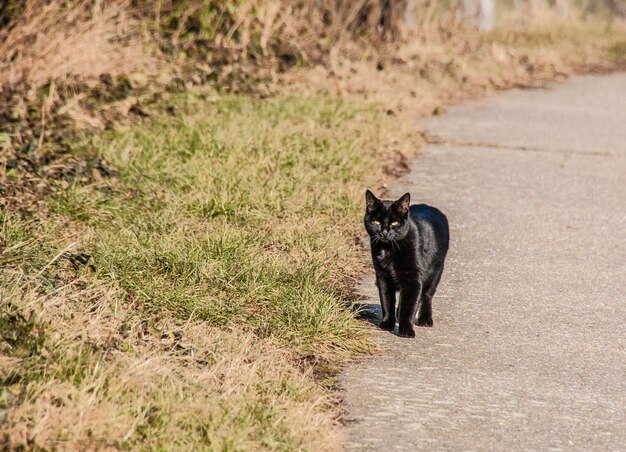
{"x":376,"y":222}
{"x":395,"y":224}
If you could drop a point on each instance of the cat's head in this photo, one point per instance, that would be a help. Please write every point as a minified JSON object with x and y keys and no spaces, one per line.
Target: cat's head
{"x":387,"y":221}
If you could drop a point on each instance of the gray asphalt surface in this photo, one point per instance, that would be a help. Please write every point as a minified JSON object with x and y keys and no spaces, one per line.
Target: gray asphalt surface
{"x":528,"y":348}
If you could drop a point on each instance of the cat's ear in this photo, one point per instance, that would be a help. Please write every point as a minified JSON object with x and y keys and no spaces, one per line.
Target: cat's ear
{"x":402,"y":204}
{"x":371,"y":201}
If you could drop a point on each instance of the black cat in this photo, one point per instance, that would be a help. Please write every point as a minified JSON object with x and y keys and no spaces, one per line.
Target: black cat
{"x":409,"y":246}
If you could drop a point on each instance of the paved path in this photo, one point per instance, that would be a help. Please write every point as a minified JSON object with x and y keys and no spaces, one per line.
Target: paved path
{"x":528,"y":350}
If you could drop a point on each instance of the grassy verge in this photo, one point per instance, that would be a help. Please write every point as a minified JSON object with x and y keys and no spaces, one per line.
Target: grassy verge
{"x":189,"y":300}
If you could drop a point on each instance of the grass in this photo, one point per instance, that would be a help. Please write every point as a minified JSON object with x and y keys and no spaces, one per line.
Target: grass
{"x":229,"y":219}
{"x":190,"y":301}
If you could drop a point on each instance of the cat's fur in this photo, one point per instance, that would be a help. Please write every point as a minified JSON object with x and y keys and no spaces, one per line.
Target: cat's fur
{"x":409,"y":247}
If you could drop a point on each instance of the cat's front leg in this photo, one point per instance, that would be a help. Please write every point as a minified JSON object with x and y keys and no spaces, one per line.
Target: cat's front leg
{"x":407,"y":309}
{"x":387,"y":294}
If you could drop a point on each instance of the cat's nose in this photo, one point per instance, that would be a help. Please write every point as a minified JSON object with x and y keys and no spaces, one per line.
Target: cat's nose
{"x":385,"y":232}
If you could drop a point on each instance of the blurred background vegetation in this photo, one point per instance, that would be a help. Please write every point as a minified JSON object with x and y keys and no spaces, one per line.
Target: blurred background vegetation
{"x":45,"y":39}
{"x":81,"y":55}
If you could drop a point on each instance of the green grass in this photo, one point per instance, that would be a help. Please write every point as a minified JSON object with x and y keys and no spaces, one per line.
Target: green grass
{"x":236,"y":216}
{"x":239,"y":215}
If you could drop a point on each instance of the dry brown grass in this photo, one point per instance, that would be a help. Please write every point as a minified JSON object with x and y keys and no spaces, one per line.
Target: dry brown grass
{"x":439,"y":67}
{"x":109,"y":380}
{"x":56,"y":40}
{"x":53,"y":40}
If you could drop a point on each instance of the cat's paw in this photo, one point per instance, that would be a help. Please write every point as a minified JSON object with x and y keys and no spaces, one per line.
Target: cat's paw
{"x":387,"y":325}
{"x":406,"y":331}
{"x":425,"y":321}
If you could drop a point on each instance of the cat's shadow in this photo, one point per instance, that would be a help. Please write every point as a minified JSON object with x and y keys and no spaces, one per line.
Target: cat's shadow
{"x":371,"y":313}
{"x":368,"y":311}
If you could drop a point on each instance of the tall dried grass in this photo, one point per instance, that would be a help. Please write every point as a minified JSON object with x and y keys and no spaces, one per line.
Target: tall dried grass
{"x":53,"y":40}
